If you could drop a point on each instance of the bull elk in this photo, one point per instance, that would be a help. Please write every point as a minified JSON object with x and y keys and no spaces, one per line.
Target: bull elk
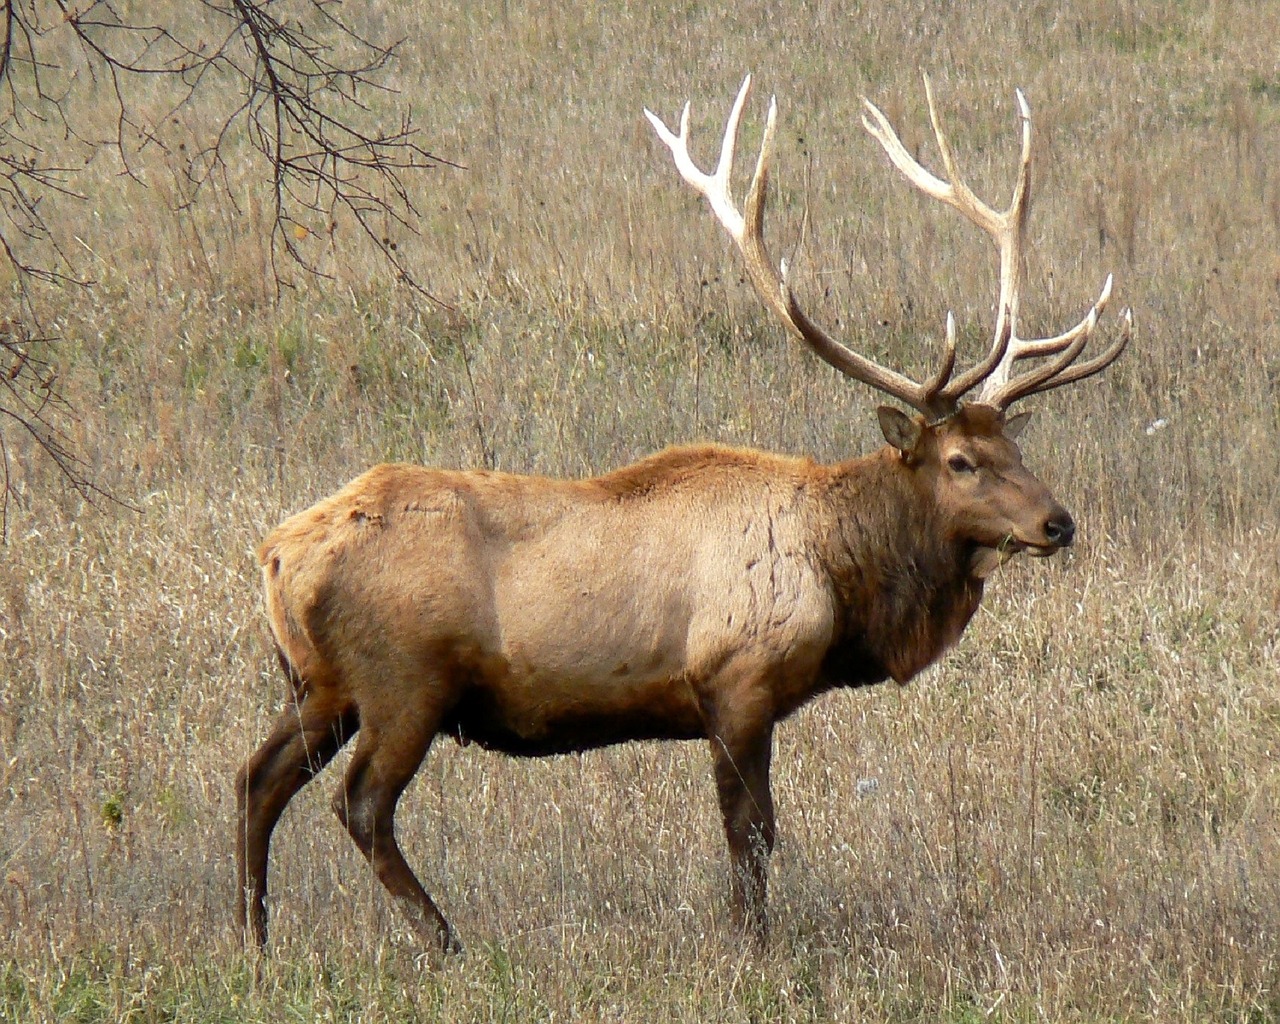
{"x":536,"y":616}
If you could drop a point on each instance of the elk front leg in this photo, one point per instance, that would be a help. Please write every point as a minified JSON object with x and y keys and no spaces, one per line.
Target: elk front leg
{"x":741,"y":758}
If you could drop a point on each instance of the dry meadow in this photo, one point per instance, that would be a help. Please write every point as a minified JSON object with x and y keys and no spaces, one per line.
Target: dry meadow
{"x":1075,"y":816}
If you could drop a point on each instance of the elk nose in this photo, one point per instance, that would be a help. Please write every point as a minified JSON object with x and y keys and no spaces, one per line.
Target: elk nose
{"x":1060,"y":529}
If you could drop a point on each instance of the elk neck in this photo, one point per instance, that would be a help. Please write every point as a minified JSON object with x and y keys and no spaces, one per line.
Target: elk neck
{"x":903,"y":583}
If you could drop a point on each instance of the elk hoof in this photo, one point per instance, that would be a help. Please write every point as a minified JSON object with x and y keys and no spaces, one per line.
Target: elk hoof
{"x":450,"y":944}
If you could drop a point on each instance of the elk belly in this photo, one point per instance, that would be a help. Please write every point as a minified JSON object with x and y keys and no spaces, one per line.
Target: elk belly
{"x":578,"y":658}
{"x":532,"y":714}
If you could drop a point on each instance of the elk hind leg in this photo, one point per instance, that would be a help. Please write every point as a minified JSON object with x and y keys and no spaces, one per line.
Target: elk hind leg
{"x":387,"y":755}
{"x":303,"y":739}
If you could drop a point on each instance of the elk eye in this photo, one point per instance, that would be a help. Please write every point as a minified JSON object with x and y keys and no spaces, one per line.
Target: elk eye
{"x":959,"y":464}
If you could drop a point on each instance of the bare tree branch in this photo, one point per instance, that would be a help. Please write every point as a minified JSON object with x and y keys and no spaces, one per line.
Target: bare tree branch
{"x":300,"y":83}
{"x":32,"y":403}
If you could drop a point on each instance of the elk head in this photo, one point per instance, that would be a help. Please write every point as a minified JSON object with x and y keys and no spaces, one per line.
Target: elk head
{"x":964,"y":451}
{"x":970,"y":469}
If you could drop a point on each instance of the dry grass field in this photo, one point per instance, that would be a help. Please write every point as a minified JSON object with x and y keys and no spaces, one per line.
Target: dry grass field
{"x":1075,"y":815}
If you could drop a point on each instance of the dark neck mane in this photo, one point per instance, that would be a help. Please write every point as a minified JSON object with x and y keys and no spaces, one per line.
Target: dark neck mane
{"x":904,"y":589}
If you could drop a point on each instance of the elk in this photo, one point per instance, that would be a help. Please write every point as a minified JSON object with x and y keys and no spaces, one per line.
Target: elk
{"x":537,"y":616}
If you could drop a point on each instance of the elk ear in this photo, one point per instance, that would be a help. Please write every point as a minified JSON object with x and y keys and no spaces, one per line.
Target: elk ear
{"x":1014,"y":425}
{"x":899,"y":429}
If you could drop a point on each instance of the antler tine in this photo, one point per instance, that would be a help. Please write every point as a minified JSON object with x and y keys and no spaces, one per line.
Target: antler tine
{"x":1008,"y":233}
{"x":1037,"y":382}
{"x":1006,"y":228}
{"x":1098,"y":363}
{"x":1066,"y":346}
{"x":715,"y":186}
{"x":1049,"y":346}
{"x":769,"y":280}
{"x":938,"y":382}
{"x":991,"y":363}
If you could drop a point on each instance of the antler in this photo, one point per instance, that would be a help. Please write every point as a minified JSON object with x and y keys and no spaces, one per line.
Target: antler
{"x":940,"y":395}
{"x":1008,"y":230}
{"x":933,"y":398}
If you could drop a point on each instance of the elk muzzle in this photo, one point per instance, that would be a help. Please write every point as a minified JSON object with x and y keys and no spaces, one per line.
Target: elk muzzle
{"x":1058,"y":530}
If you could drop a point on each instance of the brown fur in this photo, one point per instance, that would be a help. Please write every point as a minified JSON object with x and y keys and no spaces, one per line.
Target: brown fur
{"x":704,"y":592}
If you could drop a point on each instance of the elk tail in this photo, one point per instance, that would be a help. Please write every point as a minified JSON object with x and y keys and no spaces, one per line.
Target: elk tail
{"x":294,"y":646}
